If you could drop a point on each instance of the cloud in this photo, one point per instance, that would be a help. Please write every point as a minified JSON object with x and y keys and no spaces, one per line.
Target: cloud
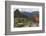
{"x":28,"y":9}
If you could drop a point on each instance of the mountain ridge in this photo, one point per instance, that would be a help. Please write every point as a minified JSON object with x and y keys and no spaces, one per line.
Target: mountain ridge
{"x":17,"y":13}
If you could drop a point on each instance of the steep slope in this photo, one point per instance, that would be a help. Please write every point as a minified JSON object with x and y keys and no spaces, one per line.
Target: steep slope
{"x":18,"y":14}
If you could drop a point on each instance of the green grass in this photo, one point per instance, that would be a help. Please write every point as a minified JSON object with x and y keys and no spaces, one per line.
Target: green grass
{"x":19,"y":22}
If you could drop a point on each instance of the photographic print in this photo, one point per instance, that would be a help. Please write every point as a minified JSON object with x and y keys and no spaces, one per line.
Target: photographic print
{"x":24,"y":17}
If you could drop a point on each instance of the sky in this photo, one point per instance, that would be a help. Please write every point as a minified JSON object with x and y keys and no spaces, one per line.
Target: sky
{"x":27,"y":9}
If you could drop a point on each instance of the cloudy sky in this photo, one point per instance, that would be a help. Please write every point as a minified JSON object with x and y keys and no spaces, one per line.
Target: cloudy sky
{"x":27,"y":9}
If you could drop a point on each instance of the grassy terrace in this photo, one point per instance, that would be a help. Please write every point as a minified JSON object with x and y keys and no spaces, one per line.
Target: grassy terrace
{"x":21,"y":22}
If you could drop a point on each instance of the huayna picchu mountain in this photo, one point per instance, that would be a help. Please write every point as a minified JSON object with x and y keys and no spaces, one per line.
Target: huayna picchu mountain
{"x":18,"y":14}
